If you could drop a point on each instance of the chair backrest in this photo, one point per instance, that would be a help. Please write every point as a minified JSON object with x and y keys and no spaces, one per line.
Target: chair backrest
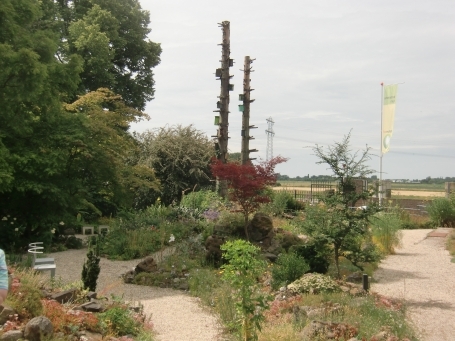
{"x":34,"y":249}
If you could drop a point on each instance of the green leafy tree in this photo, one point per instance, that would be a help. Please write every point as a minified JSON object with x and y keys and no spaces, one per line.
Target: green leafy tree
{"x":102,"y":165}
{"x":57,"y":159}
{"x":111,"y":37}
{"x":180,"y":157}
{"x":335,"y":219}
{"x":242,"y":271}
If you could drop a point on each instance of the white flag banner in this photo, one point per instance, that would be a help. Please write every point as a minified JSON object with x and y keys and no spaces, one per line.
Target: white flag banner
{"x":388,"y":115}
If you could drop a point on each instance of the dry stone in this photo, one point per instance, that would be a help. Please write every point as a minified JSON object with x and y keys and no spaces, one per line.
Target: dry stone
{"x":12,"y":335}
{"x":212,"y":245}
{"x":38,"y":327}
{"x":146,"y":265}
{"x":65,"y":296}
{"x":5,"y":314}
{"x":260,"y":229}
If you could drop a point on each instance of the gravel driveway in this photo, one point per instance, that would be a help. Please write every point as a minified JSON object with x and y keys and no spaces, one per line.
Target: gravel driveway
{"x":176,"y":316}
{"x":422,"y":274}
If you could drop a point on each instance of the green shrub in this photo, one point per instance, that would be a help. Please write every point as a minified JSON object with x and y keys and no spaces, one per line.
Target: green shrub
{"x":386,"y":230}
{"x":288,"y":268}
{"x":282,"y":202}
{"x":131,"y":244}
{"x":442,"y":212}
{"x":203,"y":200}
{"x":231,"y":223}
{"x":130,"y":237}
{"x":119,"y":321}
{"x":316,"y":253}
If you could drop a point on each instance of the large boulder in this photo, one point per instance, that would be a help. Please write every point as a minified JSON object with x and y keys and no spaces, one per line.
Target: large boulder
{"x":260,"y":229}
{"x":38,"y":327}
{"x":148,"y":264}
{"x":288,"y":239}
{"x":212,"y":246}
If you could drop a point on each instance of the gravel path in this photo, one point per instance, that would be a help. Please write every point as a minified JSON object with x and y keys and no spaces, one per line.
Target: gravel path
{"x":176,"y":316}
{"x":422,"y":274}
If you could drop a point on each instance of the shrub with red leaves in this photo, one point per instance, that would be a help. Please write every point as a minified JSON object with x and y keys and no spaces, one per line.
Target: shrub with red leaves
{"x":247,"y":183}
{"x":62,"y":319}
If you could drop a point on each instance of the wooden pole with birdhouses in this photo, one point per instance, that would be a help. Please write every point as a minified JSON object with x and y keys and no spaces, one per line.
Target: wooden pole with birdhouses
{"x":222,"y":120}
{"x":245,"y":109}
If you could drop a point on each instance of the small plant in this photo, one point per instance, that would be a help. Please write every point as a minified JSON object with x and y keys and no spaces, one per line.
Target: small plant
{"x":288,"y":268}
{"x":241,"y":272}
{"x":91,"y":269}
{"x":118,"y":321}
{"x":313,"y":283}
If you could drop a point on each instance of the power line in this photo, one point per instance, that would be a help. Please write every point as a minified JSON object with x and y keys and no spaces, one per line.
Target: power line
{"x":270,"y":133}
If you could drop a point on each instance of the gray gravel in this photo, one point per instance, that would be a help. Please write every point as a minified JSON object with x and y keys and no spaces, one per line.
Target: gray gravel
{"x":421,"y":273}
{"x":176,"y":316}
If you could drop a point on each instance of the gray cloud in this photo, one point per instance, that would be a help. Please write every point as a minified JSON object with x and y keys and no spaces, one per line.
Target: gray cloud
{"x":318,"y":69}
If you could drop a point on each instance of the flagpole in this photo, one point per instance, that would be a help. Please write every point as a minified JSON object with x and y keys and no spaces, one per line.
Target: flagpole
{"x":380,"y":194}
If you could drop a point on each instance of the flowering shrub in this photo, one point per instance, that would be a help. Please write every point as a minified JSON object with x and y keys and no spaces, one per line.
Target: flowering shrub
{"x":211,"y":214}
{"x":64,"y":319}
{"x":25,"y":295}
{"x":313,"y":283}
{"x":280,"y":307}
{"x":13,"y":324}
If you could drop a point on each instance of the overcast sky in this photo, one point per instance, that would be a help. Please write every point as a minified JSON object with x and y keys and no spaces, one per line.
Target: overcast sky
{"x":318,"y":69}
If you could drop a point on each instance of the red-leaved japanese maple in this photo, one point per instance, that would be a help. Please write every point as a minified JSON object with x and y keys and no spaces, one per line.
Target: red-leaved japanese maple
{"x":247,"y":182}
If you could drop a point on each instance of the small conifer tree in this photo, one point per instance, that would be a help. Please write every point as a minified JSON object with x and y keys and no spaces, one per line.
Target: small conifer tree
{"x":91,"y":268}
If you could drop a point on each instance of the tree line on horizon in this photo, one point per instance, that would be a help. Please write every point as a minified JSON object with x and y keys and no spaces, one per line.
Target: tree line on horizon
{"x":427,"y":180}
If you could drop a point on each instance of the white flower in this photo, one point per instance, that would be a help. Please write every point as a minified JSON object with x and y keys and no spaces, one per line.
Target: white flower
{"x":16,"y":229}
{"x":172,"y":238}
{"x":61,"y":223}
{"x":14,"y":218}
{"x":53,"y":231}
{"x":4,"y":218}
{"x":12,"y":223}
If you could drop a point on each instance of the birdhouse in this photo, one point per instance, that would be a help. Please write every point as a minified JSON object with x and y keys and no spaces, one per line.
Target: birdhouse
{"x":231,"y":62}
{"x":241,"y":107}
{"x":218,"y":73}
{"x":218,"y":105}
{"x":241,"y":97}
{"x":231,"y":87}
{"x":217,"y":120}
{"x":242,"y":133}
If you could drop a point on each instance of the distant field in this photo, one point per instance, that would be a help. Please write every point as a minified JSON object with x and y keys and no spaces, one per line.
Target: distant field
{"x":288,"y":183}
{"x":418,"y":187}
{"x":395,"y":186}
{"x":399,"y":190}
